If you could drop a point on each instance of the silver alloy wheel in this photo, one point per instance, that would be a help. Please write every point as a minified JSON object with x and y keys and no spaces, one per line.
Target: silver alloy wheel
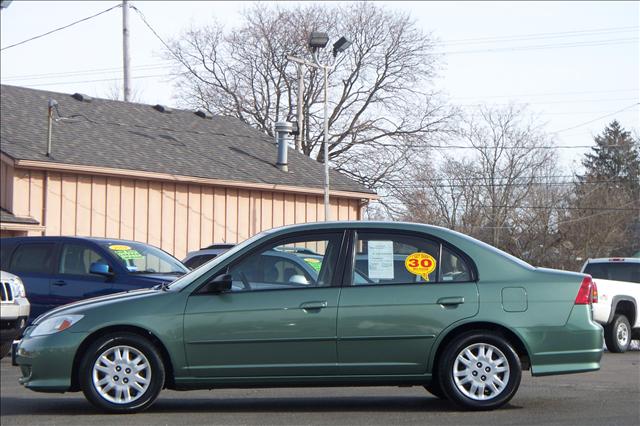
{"x":121,"y":374}
{"x":622,"y":334}
{"x":481,"y":371}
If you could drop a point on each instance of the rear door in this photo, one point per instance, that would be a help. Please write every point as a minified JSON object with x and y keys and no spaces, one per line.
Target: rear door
{"x":401,"y":292}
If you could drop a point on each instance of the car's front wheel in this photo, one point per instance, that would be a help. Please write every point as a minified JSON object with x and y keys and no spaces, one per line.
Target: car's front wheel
{"x":617,"y":335}
{"x":479,"y":371}
{"x":122,"y":373}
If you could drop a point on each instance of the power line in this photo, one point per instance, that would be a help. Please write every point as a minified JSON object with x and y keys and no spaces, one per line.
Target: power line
{"x":569,"y":101}
{"x":83,"y":72}
{"x":416,"y":185}
{"x":613,"y":209}
{"x":548,"y":94}
{"x":596,"y":119}
{"x":60,"y":28}
{"x":545,"y":46}
{"x":97,"y":81}
{"x":521,"y":37}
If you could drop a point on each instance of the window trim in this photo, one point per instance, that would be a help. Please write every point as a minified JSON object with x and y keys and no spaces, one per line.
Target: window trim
{"x":347,"y":278}
{"x":336,"y":281}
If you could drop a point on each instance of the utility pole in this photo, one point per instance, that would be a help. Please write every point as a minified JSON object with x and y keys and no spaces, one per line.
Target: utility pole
{"x":300,"y":62}
{"x":125,"y":50}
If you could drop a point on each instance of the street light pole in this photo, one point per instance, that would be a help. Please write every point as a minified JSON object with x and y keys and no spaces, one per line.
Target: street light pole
{"x":326,"y":146}
{"x":317,"y":41}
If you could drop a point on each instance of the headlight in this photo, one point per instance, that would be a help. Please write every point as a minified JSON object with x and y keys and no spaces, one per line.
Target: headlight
{"x":17,"y":288}
{"x":55,"y":324}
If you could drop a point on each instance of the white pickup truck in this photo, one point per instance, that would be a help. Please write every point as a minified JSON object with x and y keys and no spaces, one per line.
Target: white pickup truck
{"x":618,"y":281}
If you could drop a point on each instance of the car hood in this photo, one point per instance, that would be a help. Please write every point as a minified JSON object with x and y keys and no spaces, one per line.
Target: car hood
{"x":78,"y":307}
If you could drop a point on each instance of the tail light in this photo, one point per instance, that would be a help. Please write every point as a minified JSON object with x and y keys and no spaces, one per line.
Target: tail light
{"x":587,"y":293}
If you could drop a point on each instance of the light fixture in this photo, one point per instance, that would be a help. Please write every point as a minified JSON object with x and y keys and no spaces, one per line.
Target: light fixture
{"x":340,"y":46}
{"x":318,"y":40}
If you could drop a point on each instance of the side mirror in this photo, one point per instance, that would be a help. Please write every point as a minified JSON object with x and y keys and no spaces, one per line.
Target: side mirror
{"x":100,"y":269}
{"x":219,"y":284}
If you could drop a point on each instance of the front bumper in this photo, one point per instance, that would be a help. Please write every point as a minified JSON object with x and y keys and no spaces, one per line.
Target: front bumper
{"x":46,"y":362}
{"x":12,"y":328}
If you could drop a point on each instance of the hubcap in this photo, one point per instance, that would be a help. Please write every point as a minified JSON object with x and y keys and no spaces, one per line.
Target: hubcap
{"x":481,"y":371}
{"x":121,"y":374}
{"x":622,"y":334}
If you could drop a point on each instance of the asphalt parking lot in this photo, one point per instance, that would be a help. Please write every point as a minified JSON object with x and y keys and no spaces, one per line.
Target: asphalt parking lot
{"x":607,"y":397}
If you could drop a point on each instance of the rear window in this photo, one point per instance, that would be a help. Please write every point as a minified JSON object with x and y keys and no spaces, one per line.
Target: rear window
{"x":615,"y":271}
{"x":197,"y":261}
{"x":32,"y":258}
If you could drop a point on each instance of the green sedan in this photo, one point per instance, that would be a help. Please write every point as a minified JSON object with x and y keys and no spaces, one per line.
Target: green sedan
{"x":325,"y":304}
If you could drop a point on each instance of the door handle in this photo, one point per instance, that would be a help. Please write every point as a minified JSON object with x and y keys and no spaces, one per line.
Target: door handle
{"x":309,"y":306}
{"x":59,"y":283}
{"x":450,"y":301}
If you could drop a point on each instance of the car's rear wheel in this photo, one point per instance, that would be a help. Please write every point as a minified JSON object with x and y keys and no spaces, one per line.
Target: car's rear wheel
{"x":122,"y":373}
{"x":617,"y":334}
{"x":479,"y":371}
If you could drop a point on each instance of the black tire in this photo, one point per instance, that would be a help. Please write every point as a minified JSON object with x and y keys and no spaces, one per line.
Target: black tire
{"x":617,"y":334}
{"x":5,"y":348}
{"x":490,"y":382}
{"x":434,"y":388}
{"x":143,"y":364}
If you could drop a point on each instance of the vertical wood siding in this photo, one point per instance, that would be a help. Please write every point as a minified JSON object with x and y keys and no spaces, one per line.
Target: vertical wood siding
{"x":176,"y":217}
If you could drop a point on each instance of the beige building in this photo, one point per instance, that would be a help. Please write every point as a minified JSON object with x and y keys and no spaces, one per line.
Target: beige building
{"x":172,"y":178}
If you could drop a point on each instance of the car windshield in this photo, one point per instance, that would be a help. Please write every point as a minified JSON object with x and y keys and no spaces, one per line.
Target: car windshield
{"x":142,"y":258}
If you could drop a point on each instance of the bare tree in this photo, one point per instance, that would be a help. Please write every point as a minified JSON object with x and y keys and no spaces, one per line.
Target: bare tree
{"x":498,"y":186}
{"x":116,"y":93}
{"x":380,"y":97}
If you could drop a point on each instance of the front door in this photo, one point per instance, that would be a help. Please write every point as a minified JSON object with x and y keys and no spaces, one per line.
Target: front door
{"x":72,"y":280}
{"x":405,"y":289}
{"x":279,"y":319}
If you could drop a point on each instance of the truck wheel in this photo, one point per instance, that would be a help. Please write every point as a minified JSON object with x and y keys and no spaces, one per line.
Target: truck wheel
{"x":617,"y":335}
{"x":4,"y":349}
{"x":479,"y":370}
{"x":122,"y":373}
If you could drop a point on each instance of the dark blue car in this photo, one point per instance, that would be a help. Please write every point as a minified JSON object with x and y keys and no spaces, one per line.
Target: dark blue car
{"x":61,"y":270}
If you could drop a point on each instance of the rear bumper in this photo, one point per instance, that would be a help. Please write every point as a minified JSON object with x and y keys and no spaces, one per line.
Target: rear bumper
{"x":575,"y":347}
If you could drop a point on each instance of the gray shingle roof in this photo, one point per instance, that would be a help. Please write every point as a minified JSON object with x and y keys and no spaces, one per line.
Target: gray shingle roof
{"x":132,"y":136}
{"x":8,"y":217}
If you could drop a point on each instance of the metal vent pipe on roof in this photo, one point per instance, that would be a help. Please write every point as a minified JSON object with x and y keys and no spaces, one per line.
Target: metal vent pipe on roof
{"x":282,"y":131}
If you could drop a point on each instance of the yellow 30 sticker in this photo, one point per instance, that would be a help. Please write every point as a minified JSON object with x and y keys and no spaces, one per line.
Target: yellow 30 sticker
{"x":420,"y":264}
{"x":119,"y":247}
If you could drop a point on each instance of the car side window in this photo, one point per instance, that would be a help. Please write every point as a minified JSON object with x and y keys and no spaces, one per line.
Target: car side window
{"x":32,"y":258}
{"x":386,"y":258}
{"x":76,"y":259}
{"x":298,"y":262}
{"x":454,"y":268}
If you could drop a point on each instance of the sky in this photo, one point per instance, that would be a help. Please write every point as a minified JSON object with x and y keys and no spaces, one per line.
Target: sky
{"x":576,"y":65}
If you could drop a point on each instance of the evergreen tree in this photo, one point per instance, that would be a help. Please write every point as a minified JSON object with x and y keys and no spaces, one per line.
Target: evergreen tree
{"x":614,"y":158}
{"x":611,"y":180}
